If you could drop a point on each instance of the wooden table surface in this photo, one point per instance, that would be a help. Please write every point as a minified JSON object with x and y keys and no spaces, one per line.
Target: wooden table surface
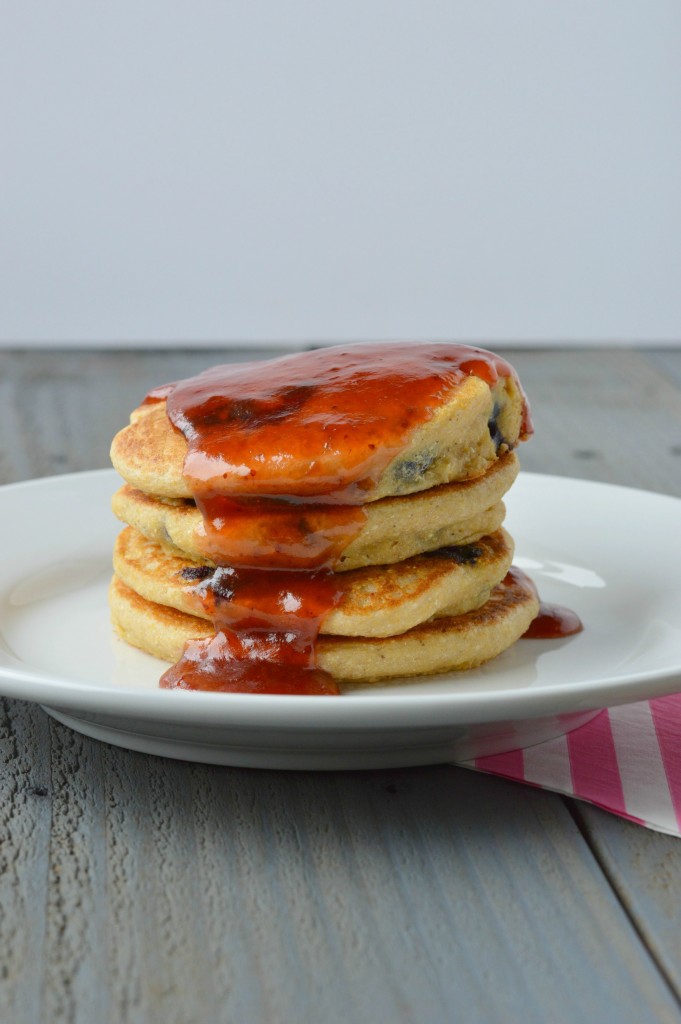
{"x":134,"y":888}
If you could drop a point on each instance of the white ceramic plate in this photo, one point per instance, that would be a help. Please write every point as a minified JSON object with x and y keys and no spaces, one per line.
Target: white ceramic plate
{"x":610,"y":553}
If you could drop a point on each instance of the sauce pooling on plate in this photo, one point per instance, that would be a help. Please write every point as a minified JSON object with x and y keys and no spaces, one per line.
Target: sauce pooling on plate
{"x":553,"y":621}
{"x":266,"y":624}
{"x":282,"y":456}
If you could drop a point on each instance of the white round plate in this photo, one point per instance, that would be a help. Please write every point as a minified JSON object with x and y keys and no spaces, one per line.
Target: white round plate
{"x":610,"y":553}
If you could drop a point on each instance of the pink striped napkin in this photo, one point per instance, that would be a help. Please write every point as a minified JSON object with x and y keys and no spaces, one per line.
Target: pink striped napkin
{"x":626,"y":760}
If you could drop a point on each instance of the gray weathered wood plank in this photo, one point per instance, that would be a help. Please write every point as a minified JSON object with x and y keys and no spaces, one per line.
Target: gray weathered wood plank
{"x":25,"y":827}
{"x":607,"y":415}
{"x":644,"y":869}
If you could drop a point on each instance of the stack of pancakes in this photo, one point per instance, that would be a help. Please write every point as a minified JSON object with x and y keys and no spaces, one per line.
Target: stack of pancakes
{"x":425,"y":583}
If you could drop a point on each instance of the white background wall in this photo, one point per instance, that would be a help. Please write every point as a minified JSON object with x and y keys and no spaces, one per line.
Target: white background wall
{"x":289,"y":170}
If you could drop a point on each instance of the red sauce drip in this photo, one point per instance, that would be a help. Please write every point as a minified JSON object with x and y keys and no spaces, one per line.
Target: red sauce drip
{"x":516,"y":575}
{"x":266,"y":626}
{"x":552,"y":622}
{"x":281,"y":457}
{"x":275,"y":533}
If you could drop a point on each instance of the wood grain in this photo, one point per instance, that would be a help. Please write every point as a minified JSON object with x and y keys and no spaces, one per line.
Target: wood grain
{"x":139,"y":889}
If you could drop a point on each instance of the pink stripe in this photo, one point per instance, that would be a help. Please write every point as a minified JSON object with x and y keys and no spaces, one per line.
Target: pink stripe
{"x":510,"y":764}
{"x":593,"y":762}
{"x":666,"y":712}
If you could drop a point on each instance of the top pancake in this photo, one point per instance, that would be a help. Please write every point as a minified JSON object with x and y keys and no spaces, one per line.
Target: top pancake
{"x":475,"y":425}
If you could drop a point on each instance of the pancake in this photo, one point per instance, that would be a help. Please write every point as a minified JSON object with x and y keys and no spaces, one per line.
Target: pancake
{"x":394,"y":528}
{"x":465,"y":436}
{"x":375,"y":601}
{"x":443,"y":644}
